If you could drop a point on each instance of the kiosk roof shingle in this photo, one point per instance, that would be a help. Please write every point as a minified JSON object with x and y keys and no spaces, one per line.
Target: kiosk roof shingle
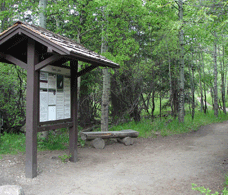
{"x":69,"y":46}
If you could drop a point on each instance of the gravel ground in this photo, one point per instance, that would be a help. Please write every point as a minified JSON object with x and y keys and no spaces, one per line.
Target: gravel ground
{"x":162,"y":165}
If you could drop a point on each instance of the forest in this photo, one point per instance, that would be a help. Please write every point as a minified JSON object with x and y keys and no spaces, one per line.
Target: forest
{"x":172,"y":56}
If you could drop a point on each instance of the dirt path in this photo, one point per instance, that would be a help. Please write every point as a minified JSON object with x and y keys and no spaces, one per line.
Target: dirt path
{"x":164,"y":166}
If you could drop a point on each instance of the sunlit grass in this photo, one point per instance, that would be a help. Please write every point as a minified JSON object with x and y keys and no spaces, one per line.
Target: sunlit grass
{"x":169,"y":126}
{"x":13,"y":143}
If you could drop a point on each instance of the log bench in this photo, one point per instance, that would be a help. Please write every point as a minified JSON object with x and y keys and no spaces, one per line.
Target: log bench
{"x":97,"y":138}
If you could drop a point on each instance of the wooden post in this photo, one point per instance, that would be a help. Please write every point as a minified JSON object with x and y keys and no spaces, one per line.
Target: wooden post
{"x":31,"y":111}
{"x":73,"y":131}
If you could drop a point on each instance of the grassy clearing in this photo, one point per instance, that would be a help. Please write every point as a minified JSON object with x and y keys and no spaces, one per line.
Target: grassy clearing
{"x":15,"y":143}
{"x":171,"y":126}
{"x":59,"y":140}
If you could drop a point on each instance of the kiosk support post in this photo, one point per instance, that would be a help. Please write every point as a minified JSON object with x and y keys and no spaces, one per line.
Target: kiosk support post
{"x":73,"y":131}
{"x":31,"y":111}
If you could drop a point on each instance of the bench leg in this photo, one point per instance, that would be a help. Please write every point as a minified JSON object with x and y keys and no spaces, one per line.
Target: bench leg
{"x":98,"y":143}
{"x":127,"y":141}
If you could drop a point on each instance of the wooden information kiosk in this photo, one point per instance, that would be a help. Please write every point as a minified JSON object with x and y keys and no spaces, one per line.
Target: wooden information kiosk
{"x":51,"y":99}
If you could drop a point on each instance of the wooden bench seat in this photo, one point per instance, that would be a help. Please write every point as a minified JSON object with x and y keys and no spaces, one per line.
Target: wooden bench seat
{"x":124,"y":136}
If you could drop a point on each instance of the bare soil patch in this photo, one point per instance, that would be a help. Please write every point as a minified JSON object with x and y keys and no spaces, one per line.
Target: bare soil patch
{"x":162,"y":165}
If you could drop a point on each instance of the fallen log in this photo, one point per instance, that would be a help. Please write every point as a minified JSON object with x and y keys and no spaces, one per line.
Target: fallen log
{"x":109,"y":134}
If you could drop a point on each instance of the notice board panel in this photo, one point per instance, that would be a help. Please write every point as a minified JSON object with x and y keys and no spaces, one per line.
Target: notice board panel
{"x":55,"y":93}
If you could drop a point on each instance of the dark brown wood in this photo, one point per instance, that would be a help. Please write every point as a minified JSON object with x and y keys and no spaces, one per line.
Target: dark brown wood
{"x":73,"y":131}
{"x":86,"y":70}
{"x":8,"y":35}
{"x":55,"y":126}
{"x":109,"y":134}
{"x":14,"y":60}
{"x":47,"y":62}
{"x":55,"y":122}
{"x":17,"y":42}
{"x":31,"y":112}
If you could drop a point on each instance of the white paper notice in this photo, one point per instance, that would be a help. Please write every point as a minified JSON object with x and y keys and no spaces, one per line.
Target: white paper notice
{"x":43,"y":84}
{"x":51,"y":81}
{"x":67,"y":110}
{"x":60,"y":105}
{"x":43,"y":76}
{"x":51,"y":97}
{"x":51,"y":113}
{"x":43,"y":106}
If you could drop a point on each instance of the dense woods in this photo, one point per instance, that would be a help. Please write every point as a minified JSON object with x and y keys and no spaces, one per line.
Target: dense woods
{"x":171,"y":53}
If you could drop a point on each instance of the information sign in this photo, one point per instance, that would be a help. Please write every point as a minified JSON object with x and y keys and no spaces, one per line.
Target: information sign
{"x":55,"y":93}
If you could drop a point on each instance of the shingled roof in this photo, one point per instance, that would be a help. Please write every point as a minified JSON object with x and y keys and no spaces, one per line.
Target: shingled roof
{"x":59,"y":44}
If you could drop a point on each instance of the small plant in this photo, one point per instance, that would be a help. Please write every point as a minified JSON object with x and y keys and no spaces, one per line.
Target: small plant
{"x":64,"y":158}
{"x":82,"y":142}
{"x":207,"y":191}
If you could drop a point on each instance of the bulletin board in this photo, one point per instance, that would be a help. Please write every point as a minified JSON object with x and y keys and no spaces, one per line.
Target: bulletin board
{"x":55,"y":93}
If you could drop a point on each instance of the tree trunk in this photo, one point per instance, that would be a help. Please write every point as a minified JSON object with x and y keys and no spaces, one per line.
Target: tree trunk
{"x":4,"y":20}
{"x":42,"y":22}
{"x":106,"y":85}
{"x":181,"y":87}
{"x":222,"y":79}
{"x":191,"y":72}
{"x":42,"y":15}
{"x":201,"y":90}
{"x":170,"y":80}
{"x":215,"y":78}
{"x":204,"y":86}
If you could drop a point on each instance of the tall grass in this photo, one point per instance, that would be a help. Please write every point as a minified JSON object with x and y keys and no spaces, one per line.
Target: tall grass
{"x":59,"y":140}
{"x":169,"y":126}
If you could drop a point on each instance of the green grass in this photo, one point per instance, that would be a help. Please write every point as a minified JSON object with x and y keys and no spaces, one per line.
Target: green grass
{"x":170,"y":126}
{"x":207,"y":191}
{"x":59,"y":140}
{"x":14,"y":143}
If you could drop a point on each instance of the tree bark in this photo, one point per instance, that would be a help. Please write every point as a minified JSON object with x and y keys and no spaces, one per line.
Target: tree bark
{"x":106,"y":83}
{"x":201,"y":88}
{"x":42,"y":22}
{"x":215,"y":77}
{"x":222,"y":79}
{"x":42,"y":15}
{"x":204,"y":86}
{"x":181,"y":86}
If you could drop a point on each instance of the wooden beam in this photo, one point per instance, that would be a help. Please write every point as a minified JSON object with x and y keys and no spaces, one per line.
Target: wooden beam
{"x":55,"y":126}
{"x":32,"y":109}
{"x":9,"y":34}
{"x":73,"y":131}
{"x":87,"y":69}
{"x":47,"y":62}
{"x":14,"y":60}
{"x":16,"y":43}
{"x":55,"y":122}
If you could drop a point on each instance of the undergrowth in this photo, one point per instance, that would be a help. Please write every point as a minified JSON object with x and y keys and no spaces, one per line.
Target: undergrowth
{"x":169,"y":126}
{"x":207,"y":191}
{"x":59,"y":140}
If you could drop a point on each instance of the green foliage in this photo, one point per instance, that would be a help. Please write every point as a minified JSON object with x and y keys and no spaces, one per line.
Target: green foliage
{"x":12,"y":97}
{"x":64,"y":158}
{"x":169,"y":126}
{"x":56,"y":141}
{"x":207,"y":191}
{"x":12,"y":143}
